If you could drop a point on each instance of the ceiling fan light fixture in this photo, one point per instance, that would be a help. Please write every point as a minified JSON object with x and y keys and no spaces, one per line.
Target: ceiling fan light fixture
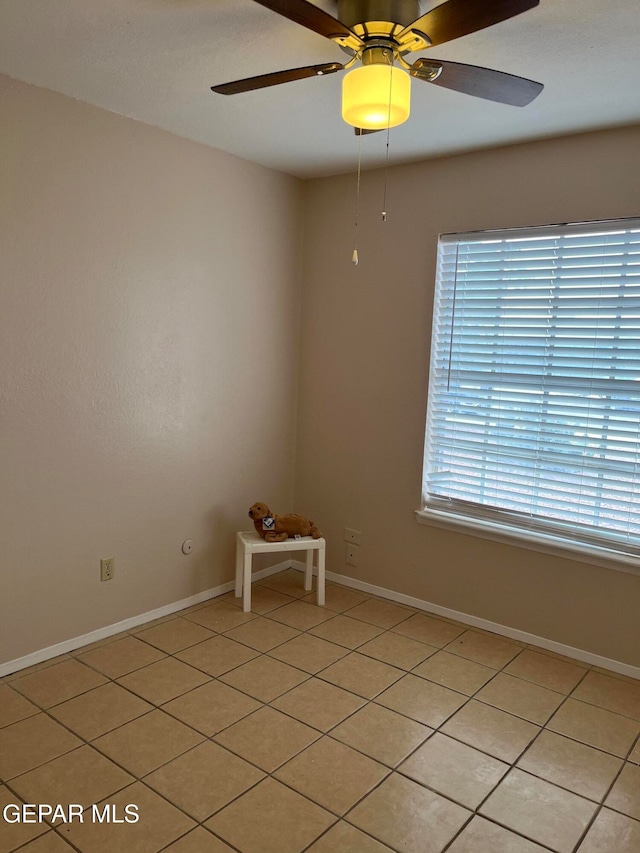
{"x":366,"y":92}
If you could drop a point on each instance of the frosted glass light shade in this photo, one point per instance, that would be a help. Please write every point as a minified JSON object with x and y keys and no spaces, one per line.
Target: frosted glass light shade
{"x":365,"y":96}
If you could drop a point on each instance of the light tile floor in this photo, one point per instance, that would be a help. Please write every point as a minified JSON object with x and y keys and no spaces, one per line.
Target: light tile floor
{"x":361,"y":727}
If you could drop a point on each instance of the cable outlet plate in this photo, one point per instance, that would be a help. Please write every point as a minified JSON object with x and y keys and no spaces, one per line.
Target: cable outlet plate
{"x":351,"y":554}
{"x":107,"y":568}
{"x":353,"y":536}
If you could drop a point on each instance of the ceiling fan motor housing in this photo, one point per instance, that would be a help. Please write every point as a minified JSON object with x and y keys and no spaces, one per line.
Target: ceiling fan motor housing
{"x":354,"y":12}
{"x":378,"y":34}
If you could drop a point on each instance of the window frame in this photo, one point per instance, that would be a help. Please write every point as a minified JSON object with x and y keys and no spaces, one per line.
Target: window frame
{"x":559,"y":541}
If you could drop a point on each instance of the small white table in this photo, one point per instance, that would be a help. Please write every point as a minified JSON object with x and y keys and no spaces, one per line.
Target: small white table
{"x":249,"y":543}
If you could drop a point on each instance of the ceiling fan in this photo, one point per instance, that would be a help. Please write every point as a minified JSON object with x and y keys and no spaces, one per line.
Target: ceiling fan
{"x":377,"y":35}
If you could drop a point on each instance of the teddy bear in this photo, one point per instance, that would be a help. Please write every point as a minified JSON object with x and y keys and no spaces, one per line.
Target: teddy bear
{"x":277,"y":528}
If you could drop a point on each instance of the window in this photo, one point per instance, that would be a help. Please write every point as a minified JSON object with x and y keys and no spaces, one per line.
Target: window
{"x":534,"y":387}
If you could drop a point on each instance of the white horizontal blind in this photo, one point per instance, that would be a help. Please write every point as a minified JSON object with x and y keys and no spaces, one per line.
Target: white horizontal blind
{"x":534,"y":390}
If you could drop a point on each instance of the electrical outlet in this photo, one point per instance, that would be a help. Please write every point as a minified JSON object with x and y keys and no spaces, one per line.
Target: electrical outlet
{"x":107,"y":568}
{"x":353,"y":536}
{"x":351,"y":554}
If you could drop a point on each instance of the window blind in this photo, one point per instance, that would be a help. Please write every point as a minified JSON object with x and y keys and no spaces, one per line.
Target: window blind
{"x":534,"y":392}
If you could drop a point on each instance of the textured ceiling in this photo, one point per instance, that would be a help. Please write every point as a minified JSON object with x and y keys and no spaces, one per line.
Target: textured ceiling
{"x":154,"y":60}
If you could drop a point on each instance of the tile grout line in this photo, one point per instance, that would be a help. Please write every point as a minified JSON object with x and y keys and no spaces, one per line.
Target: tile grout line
{"x":395,"y":769}
{"x":367,"y":701}
{"x":601,"y":804}
{"x":321,"y":734}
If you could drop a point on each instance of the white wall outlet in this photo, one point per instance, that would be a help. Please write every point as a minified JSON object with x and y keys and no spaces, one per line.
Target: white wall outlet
{"x":107,"y":568}
{"x":353,"y":536}
{"x":351,"y":554}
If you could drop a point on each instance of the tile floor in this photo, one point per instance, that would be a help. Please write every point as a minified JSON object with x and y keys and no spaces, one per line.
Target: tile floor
{"x":361,"y":727}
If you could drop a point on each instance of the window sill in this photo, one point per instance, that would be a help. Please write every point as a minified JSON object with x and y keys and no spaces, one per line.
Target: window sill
{"x":545,"y":543}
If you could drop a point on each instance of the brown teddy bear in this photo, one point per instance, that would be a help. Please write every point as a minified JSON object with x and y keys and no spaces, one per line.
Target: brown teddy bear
{"x":277,"y":528}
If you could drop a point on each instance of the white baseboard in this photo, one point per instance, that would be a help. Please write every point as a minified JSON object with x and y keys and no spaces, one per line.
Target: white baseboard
{"x":418,"y":603}
{"x":126,"y":624}
{"x":485,"y":624}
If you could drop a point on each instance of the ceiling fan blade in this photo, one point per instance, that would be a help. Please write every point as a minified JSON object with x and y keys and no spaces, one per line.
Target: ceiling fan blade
{"x":277,"y":77}
{"x":457,"y":18}
{"x":313,"y":18}
{"x":363,"y":131}
{"x":477,"y":81}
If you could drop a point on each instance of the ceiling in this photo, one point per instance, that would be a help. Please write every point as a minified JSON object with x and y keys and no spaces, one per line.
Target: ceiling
{"x":154,"y":60}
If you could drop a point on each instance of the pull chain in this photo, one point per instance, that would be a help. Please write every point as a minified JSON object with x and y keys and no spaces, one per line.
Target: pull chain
{"x":354,"y":257}
{"x":386,"y":165}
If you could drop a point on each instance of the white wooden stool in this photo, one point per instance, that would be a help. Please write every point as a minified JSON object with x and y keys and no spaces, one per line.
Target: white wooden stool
{"x":249,"y":543}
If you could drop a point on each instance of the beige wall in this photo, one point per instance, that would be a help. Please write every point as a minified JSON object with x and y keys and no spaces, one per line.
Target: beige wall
{"x":149,"y":320}
{"x":365,"y":348}
{"x":149,"y":307}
